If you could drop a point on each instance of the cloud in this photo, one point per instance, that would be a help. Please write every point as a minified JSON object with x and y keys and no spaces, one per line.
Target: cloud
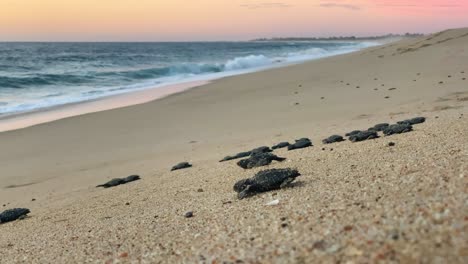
{"x":338,"y":5}
{"x":266,"y":5}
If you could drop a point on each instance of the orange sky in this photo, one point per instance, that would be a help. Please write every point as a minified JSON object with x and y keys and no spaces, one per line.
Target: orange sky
{"x":159,"y":20}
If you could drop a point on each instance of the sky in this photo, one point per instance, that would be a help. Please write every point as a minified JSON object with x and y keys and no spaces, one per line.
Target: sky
{"x":198,"y":20}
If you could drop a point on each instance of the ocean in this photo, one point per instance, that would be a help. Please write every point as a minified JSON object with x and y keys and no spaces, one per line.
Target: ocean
{"x":34,"y":76}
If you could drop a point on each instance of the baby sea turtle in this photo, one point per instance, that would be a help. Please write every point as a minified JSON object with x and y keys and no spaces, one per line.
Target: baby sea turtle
{"x":182,"y":165}
{"x":300,"y":143}
{"x":354,"y":132}
{"x":237,"y":156}
{"x":281,"y":145}
{"x":398,"y":129}
{"x":13,"y":214}
{"x":413,"y":121}
{"x":379,"y":127}
{"x":119,"y":181}
{"x":263,"y":149}
{"x":258,"y":160}
{"x":333,"y":139}
{"x":264,"y":181}
{"x":363,"y":135}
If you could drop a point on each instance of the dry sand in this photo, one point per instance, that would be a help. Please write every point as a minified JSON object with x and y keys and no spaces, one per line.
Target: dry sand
{"x":355,"y":202}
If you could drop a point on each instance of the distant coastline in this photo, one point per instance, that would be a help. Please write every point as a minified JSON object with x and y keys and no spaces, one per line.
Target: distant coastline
{"x":343,"y":38}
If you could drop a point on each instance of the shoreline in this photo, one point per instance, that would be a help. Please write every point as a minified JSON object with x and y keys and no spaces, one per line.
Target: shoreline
{"x":54,"y":113}
{"x":21,"y":120}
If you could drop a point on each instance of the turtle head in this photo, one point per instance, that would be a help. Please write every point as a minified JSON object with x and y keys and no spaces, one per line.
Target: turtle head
{"x":242,"y":185}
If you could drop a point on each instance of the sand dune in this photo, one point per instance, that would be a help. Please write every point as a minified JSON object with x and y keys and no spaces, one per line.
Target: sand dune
{"x":362,"y":202}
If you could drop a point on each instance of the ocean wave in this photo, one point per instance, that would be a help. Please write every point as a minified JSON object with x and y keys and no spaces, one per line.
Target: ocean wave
{"x":42,"y":80}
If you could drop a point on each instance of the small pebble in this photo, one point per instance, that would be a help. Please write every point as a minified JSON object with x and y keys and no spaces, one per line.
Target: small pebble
{"x":348,"y":228}
{"x":463,"y":79}
{"x":383,"y":84}
{"x":283,"y":225}
{"x":450,"y":76}
{"x":296,"y":103}
{"x":441,"y":82}
{"x":347,"y":84}
{"x":283,"y":218}
{"x":322,"y":98}
{"x":127,"y":203}
{"x":386,"y":97}
{"x":358,"y":86}
{"x":33,"y":199}
{"x":200,"y":190}
{"x":189,"y":214}
{"x":391,"y":144}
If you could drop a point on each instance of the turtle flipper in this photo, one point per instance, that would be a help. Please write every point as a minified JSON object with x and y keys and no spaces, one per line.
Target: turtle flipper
{"x":245,"y":193}
{"x":287,"y":182}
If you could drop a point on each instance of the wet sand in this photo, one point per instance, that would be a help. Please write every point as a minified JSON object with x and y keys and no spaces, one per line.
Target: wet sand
{"x":360,"y":202}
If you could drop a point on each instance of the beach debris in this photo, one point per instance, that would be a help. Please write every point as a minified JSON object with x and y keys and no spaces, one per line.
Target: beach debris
{"x":386,"y":97}
{"x":363,"y":135}
{"x":13,"y":214}
{"x":258,"y":160}
{"x":119,"y":181}
{"x":333,"y":139}
{"x":188,"y":214}
{"x":379,"y":127}
{"x":398,"y":129}
{"x":441,"y":82}
{"x":391,"y":144}
{"x":281,"y":145}
{"x":300,"y":143}
{"x":391,"y":89}
{"x":354,"y":132}
{"x":264,"y":181}
{"x":272,"y":203}
{"x":413,"y":121}
{"x":182,"y":165}
{"x":450,"y":76}
{"x":200,"y":190}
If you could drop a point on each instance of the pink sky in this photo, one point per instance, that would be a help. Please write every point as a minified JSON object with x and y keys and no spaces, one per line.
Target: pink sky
{"x":163,"y":20}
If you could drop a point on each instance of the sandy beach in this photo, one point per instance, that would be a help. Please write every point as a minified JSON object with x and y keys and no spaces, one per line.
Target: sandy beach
{"x":362,"y":202}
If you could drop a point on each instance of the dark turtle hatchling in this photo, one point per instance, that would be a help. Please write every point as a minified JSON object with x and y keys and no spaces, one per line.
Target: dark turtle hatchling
{"x":263,"y":149}
{"x":413,"y":121}
{"x":281,"y":145}
{"x":363,"y":135}
{"x":264,"y":181}
{"x":354,"y":132}
{"x":398,"y":129}
{"x":13,"y":214}
{"x":119,"y":181}
{"x":258,"y":160}
{"x":379,"y":127}
{"x":300,"y":143}
{"x":333,"y":139}
{"x":237,"y":156}
{"x":182,"y":165}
